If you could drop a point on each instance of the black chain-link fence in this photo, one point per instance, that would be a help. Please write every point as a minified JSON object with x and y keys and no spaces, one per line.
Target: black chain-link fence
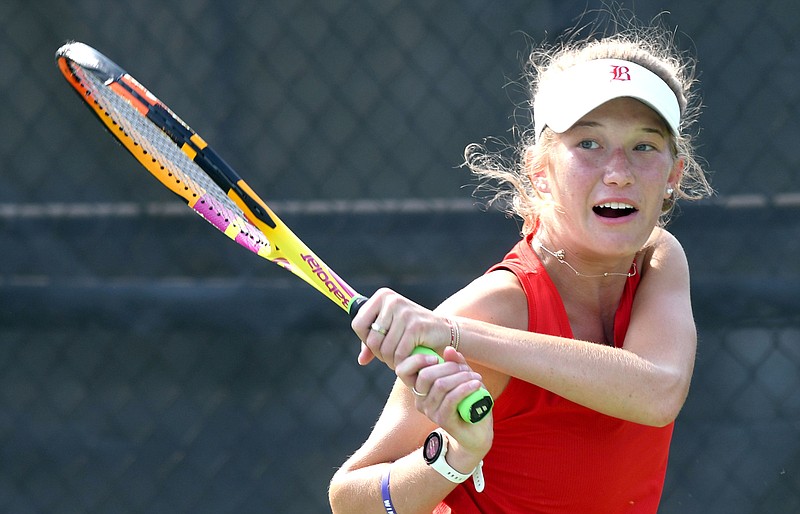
{"x":146,"y":365}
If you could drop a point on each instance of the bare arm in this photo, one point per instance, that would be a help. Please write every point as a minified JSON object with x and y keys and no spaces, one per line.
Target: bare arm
{"x":646,"y":381}
{"x":402,"y":427}
{"x":395,"y":443}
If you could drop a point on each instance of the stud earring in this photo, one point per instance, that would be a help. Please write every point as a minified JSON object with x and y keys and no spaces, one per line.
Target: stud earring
{"x":669,"y":199}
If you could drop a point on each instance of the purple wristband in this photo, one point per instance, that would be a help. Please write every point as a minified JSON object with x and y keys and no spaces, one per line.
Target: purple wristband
{"x":387,"y":498}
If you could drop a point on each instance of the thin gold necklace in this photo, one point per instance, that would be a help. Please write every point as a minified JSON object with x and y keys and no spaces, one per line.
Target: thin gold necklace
{"x":560,"y":256}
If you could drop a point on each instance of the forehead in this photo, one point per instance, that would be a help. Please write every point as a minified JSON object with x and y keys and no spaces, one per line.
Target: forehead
{"x":624,"y":110}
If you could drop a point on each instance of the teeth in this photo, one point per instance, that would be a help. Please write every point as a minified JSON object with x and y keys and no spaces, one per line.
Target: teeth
{"x":616,"y":205}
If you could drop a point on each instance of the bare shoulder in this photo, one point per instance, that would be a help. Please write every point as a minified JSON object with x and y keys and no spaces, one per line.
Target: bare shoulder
{"x":663,"y":252}
{"x":496,"y":297}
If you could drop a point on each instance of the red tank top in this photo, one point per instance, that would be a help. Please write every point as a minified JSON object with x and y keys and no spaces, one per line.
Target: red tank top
{"x":551,"y":455}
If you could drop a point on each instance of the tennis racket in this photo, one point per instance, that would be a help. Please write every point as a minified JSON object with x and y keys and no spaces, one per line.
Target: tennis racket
{"x":183,"y":162}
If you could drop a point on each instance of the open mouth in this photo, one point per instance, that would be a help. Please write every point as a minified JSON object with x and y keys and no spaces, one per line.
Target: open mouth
{"x":614,"y":210}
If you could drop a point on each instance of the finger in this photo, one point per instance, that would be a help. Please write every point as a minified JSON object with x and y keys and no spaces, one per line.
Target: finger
{"x":379,"y":338}
{"x":384,"y":346}
{"x":408,"y":369}
{"x":444,"y":385}
{"x":365,"y":356}
{"x":437,"y":381}
{"x":369,"y":314}
{"x":450,"y":354}
{"x":362,"y":321}
{"x":441,"y":401}
{"x":448,"y":407}
{"x":381,"y":328}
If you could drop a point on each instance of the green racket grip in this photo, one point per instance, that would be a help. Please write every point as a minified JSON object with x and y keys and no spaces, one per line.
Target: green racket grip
{"x":474,"y":407}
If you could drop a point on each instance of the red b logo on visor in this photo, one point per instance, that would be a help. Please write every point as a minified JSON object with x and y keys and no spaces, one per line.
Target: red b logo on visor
{"x":620,"y":73}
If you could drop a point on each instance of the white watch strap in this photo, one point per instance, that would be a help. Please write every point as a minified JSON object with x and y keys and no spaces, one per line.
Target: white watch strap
{"x":477,"y":478}
{"x":447,"y":471}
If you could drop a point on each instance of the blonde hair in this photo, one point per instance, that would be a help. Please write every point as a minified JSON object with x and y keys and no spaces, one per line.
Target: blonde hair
{"x":650,"y":46}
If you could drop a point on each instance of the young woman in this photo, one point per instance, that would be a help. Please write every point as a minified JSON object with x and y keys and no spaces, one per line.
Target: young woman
{"x":583,"y":334}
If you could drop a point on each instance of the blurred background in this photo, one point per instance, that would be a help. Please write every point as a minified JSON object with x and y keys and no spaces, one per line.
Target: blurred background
{"x":147,"y":365}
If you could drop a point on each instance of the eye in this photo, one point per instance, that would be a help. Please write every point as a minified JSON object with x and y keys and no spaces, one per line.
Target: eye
{"x":588,"y":144}
{"x":644,"y":147}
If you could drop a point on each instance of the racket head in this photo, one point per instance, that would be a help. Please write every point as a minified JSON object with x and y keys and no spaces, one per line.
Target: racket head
{"x":184,"y":163}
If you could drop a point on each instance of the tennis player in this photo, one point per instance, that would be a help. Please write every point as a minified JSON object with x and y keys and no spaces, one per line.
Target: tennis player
{"x":583,"y":334}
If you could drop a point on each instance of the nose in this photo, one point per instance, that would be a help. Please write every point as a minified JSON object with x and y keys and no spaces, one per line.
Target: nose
{"x":618,"y":169}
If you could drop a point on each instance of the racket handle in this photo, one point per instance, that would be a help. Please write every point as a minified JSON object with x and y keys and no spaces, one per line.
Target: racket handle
{"x":474,"y":407}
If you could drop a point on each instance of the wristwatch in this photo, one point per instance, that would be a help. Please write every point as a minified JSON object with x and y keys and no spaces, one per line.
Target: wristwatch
{"x":434,"y":451}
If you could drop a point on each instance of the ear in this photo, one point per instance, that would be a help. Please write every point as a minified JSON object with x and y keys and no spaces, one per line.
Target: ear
{"x":536,"y":171}
{"x":676,"y":173}
{"x":673,"y":185}
{"x":540,"y":183}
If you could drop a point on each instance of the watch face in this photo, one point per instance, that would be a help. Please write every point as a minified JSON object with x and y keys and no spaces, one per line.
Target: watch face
{"x":433,"y":447}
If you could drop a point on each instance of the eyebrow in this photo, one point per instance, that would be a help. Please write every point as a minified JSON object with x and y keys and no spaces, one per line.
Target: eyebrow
{"x":661,"y":132}
{"x":645,"y":128}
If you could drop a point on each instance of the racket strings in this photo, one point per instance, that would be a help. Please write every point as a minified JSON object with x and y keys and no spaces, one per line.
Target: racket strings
{"x":163,"y":157}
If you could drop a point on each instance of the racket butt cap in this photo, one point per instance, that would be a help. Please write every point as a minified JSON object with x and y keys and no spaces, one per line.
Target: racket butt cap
{"x":355,"y":305}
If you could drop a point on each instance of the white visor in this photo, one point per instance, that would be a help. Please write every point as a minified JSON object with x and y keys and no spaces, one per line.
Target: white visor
{"x":574,"y":92}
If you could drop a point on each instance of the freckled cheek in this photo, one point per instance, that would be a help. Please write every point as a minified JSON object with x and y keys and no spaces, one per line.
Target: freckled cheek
{"x":656,"y":179}
{"x":580,"y":162}
{"x":659,"y":165}
{"x":573,"y":173}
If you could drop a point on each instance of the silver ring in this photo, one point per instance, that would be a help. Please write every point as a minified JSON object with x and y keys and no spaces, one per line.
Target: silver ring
{"x":379,"y":329}
{"x":417,"y":393}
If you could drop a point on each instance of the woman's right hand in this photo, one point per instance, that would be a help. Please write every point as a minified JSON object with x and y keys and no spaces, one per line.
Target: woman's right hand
{"x":437,"y":389}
